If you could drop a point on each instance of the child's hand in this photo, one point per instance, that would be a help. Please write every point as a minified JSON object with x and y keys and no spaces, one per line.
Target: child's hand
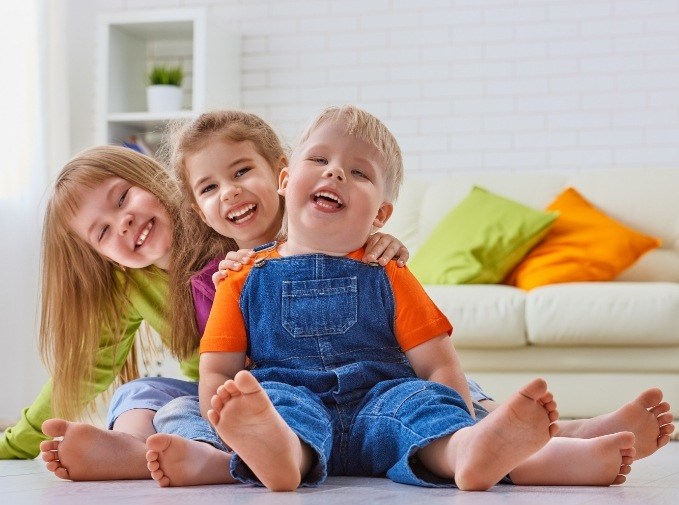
{"x":382,"y":248}
{"x":234,"y":261}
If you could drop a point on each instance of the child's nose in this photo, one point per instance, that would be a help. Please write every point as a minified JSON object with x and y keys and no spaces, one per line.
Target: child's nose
{"x":231,"y":192}
{"x":335,"y":172}
{"x":125,"y":224}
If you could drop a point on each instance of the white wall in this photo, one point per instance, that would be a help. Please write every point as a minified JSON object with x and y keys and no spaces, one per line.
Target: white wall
{"x":465,"y":84}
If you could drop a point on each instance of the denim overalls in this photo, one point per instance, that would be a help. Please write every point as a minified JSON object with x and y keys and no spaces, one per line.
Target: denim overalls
{"x":321,"y":336}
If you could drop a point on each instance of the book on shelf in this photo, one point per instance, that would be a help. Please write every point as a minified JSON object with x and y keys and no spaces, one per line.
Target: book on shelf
{"x":136,"y":143}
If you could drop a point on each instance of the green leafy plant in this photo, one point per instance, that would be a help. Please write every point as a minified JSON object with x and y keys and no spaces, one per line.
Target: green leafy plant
{"x":163,"y":74}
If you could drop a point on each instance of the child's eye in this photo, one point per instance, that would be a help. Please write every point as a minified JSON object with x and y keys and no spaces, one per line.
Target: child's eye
{"x":121,"y":200}
{"x":358,"y":173}
{"x":319,"y":159}
{"x":102,"y":233}
{"x":242,"y":172}
{"x":208,"y":188}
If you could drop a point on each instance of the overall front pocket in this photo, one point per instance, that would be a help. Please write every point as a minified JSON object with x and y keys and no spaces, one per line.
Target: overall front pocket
{"x":319,"y":307}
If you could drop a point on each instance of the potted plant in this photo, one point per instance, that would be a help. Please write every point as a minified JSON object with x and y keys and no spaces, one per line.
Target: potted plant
{"x":164,"y":92}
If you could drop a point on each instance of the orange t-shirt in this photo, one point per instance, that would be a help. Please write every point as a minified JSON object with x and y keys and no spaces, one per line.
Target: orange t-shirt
{"x":416,"y":318}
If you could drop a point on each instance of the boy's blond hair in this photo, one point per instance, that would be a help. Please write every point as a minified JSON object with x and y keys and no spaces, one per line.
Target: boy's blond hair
{"x":80,"y":293}
{"x":367,"y":128}
{"x":184,"y":139}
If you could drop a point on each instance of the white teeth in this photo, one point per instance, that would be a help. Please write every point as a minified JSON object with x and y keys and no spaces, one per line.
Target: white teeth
{"x":234,"y":215}
{"x":329,"y":196}
{"x":144,"y":233}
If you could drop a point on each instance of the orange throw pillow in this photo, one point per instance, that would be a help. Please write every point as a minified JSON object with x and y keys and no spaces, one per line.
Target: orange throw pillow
{"x":584,"y":244}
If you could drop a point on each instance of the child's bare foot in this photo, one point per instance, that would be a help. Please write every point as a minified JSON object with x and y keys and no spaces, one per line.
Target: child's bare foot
{"x":647,"y":416}
{"x":484,"y":453}
{"x":88,"y":453}
{"x":247,"y":421}
{"x":177,"y":461}
{"x":599,"y":461}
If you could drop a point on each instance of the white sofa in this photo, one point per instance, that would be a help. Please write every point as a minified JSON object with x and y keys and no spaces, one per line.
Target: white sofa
{"x":597,"y":343}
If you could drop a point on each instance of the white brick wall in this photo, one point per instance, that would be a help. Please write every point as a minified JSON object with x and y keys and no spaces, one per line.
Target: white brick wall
{"x":469,"y":84}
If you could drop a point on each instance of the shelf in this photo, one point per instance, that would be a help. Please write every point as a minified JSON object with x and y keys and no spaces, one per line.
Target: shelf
{"x":131,"y":42}
{"x":149,"y":118}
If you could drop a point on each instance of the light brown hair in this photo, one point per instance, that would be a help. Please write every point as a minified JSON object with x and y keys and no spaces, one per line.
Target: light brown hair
{"x":187,"y":138}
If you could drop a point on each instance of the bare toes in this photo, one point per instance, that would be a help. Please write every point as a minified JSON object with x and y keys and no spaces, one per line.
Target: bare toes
{"x":246,"y":383}
{"x":553,"y":415}
{"x":49,"y":445}
{"x":49,"y":456}
{"x":659,"y":409}
{"x":217,"y":402}
{"x":650,"y":398}
{"x":620,"y":479}
{"x":232,"y":388}
{"x":548,"y":399}
{"x":665,"y":419}
{"x":666,"y":429}
{"x":213,"y":417}
{"x":62,"y":473}
{"x":52,"y":465}
{"x":663,"y":441}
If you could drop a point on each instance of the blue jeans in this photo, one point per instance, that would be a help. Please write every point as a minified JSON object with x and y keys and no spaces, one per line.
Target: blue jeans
{"x":175,"y":402}
{"x":150,"y":393}
{"x":182,"y":417}
{"x":376,"y":436}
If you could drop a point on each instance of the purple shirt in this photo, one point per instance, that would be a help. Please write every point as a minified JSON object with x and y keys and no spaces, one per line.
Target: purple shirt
{"x":203,"y":291}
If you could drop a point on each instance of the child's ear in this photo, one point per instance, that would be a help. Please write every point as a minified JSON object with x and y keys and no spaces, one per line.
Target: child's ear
{"x":383,"y":214}
{"x":283,"y":181}
{"x":200,"y":213}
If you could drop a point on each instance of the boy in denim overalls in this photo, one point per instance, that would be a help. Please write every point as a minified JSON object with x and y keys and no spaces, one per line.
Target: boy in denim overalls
{"x":354,"y":371}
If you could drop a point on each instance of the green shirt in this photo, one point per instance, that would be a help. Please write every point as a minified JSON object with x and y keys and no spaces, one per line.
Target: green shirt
{"x":147,"y":300}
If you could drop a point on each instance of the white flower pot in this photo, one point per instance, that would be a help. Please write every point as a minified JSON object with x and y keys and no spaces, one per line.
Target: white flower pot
{"x":163,"y":98}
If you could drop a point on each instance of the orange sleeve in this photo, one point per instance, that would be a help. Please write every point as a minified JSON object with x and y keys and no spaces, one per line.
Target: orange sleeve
{"x":418,"y":319}
{"x":225,"y":329}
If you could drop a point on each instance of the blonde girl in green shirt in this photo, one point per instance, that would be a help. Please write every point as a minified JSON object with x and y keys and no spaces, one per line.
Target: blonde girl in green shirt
{"x":108,"y":231}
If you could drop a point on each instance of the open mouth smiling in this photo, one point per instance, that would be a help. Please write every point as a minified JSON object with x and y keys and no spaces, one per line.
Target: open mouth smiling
{"x":144,"y":233}
{"x":327,"y":200}
{"x":242,"y":214}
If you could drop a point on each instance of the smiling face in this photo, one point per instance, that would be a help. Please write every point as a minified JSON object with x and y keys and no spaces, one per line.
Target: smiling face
{"x":234,"y":188}
{"x":334,"y":192}
{"x":124,"y":223}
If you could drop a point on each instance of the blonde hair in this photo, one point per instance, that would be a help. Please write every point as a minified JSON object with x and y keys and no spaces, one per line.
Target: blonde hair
{"x":184,"y":139}
{"x":366,"y":127}
{"x":80,"y":293}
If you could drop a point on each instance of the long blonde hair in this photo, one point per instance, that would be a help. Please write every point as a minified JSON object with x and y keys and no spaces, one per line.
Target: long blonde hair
{"x":189,"y":257}
{"x":80,"y":294}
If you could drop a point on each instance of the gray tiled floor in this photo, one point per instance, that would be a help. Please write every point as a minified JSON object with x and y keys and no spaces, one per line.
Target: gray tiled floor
{"x":654,"y":480}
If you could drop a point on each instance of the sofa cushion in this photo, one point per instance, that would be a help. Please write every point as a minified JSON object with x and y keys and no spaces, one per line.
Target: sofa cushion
{"x":583,"y":245}
{"x":616,"y":314}
{"x":480,"y":240}
{"x":483,"y":316}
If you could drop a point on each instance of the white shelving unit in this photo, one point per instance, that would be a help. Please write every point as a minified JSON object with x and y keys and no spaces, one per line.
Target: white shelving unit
{"x":130,"y":42}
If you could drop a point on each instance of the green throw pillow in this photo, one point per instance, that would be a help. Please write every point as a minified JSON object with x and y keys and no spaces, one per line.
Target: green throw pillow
{"x":480,"y":240}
